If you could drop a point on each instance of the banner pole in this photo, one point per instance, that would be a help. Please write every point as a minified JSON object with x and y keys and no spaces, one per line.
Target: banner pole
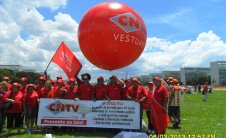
{"x":53,"y":56}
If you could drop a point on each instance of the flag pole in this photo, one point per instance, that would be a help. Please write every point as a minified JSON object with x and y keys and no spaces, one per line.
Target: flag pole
{"x":53,"y":56}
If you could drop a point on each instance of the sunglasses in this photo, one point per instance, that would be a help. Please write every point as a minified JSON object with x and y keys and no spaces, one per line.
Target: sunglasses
{"x":84,"y":79}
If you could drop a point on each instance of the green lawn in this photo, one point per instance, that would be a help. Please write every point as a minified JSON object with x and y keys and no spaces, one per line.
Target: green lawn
{"x":197,"y":117}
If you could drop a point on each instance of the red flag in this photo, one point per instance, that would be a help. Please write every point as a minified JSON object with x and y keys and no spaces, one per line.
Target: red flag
{"x":159,"y":119}
{"x":66,"y":60}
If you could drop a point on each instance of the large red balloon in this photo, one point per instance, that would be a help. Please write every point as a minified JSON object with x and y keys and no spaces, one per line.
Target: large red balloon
{"x":112,"y":35}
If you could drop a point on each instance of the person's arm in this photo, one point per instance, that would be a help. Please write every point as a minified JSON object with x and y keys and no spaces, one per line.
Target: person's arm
{"x":93,"y":98}
{"x":165,"y":104}
{"x":10,"y":100}
{"x":144,"y":95}
{"x":64,"y":90}
{"x":106,"y":95}
{"x":6,"y":98}
{"x":120,"y":81}
{"x":128,"y":96}
{"x":24,"y":107}
{"x":45,"y":73}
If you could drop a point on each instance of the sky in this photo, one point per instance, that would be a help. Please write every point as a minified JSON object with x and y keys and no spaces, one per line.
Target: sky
{"x":179,"y":33}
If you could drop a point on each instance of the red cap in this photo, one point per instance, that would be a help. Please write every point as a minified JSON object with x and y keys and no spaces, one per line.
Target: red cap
{"x":157,"y":78}
{"x":100,"y":78}
{"x":206,"y":82}
{"x":16,"y":84}
{"x":30,"y":85}
{"x":151,"y":82}
{"x":72,"y":79}
{"x":135,"y":79}
{"x":127,"y":80}
{"x":5,"y":78}
{"x":42,"y":78}
{"x":24,"y":79}
{"x":111,"y":77}
{"x":170,"y":79}
{"x":60,"y":81}
{"x":60,"y":77}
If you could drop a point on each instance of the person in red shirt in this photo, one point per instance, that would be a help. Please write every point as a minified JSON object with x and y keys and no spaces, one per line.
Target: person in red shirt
{"x":137,"y":94}
{"x":4,"y":89}
{"x":100,"y":89}
{"x":40,"y":85}
{"x":60,"y":91}
{"x":113,"y":91}
{"x":86,"y":91}
{"x":30,"y":105}
{"x":158,"y":110}
{"x":23,"y":88}
{"x":205,"y":91}
{"x":46,"y":92}
{"x":147,"y":104}
{"x":7,"y":80}
{"x":124,"y":89}
{"x":15,"y":97}
{"x":54,"y":83}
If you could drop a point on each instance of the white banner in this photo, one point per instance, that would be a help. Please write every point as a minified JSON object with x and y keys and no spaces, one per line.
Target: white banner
{"x":103,"y":114}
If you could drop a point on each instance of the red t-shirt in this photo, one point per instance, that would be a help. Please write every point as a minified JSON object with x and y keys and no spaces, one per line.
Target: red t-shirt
{"x":137,"y":93}
{"x":124,"y":91}
{"x":2,"y":94}
{"x":100,"y":91}
{"x":9,"y":86}
{"x":86,"y":92}
{"x":205,"y":89}
{"x":57,"y":92}
{"x":72,"y":92}
{"x":54,"y":84}
{"x":147,"y":102}
{"x":23,"y":89}
{"x":114,"y":92}
{"x":44,"y":93}
{"x":31,"y":99}
{"x":17,"y":97}
{"x":38,"y":88}
{"x":160,"y":93}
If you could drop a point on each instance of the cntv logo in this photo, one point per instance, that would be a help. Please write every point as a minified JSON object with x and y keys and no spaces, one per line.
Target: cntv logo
{"x":127,"y":21}
{"x":58,"y":107}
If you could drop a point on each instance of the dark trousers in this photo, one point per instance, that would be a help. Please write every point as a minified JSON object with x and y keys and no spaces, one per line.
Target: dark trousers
{"x":2,"y":119}
{"x":10,"y":119}
{"x":150,"y":126}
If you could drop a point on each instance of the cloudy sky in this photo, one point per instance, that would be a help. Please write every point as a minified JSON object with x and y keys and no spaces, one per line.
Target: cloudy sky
{"x":180,"y":33}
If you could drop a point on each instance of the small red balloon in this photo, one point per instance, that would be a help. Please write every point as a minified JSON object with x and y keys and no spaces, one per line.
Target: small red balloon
{"x":112,"y":35}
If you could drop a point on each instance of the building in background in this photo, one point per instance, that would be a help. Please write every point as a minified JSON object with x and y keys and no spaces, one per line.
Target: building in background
{"x":15,"y":68}
{"x":29,"y":70}
{"x":167,"y":74}
{"x":144,"y":78}
{"x":42,"y":73}
{"x":218,"y":72}
{"x":187,"y":73}
{"x":154,"y":75}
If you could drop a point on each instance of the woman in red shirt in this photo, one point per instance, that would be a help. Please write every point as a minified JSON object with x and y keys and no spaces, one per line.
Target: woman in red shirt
{"x":4,"y":90}
{"x":100,"y":89}
{"x":30,"y":105}
{"x":15,"y":97}
{"x":46,"y":92}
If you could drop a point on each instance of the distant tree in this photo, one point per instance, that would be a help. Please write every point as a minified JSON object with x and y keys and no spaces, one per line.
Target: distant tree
{"x":8,"y":73}
{"x":144,"y":83}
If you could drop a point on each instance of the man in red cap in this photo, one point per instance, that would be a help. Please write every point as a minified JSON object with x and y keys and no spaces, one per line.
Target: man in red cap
{"x":205,"y":91}
{"x":100,"y":89}
{"x":9,"y":85}
{"x":54,"y":83}
{"x":23,"y":88}
{"x":40,"y":85}
{"x":137,"y":94}
{"x":173,"y":110}
{"x":60,"y":91}
{"x":124,"y":89}
{"x":113,"y":91}
{"x":158,"y":110}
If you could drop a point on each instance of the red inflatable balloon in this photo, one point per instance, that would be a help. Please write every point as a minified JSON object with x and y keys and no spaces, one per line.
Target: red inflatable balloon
{"x":112,"y":35}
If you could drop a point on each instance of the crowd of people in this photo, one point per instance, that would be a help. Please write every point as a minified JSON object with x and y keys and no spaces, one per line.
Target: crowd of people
{"x":25,"y":99}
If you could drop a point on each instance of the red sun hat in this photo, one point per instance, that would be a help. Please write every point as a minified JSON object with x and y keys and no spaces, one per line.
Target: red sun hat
{"x":100,"y":78}
{"x":16,"y":84}
{"x":135,"y":79}
{"x":24,"y":79}
{"x":157,"y":78}
{"x":60,"y":77}
{"x":127,"y":80}
{"x":151,"y":82}
{"x":174,"y":80}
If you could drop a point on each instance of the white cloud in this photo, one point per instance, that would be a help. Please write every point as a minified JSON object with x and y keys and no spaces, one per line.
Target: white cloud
{"x":44,"y":37}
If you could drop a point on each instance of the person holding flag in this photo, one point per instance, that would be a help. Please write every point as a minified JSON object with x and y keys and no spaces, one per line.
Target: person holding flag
{"x":137,"y":94}
{"x":147,"y":105}
{"x":158,"y":110}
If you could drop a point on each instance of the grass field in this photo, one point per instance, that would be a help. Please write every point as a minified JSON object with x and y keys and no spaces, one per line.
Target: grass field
{"x":198,"y":118}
